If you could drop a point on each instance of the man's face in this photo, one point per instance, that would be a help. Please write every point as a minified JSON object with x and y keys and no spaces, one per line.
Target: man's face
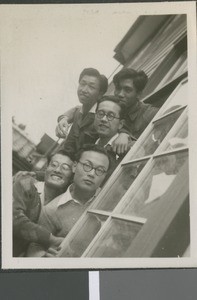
{"x":126,"y":91}
{"x":105,"y":127}
{"x":88,"y":90}
{"x":90,"y":181}
{"x":59,"y":172}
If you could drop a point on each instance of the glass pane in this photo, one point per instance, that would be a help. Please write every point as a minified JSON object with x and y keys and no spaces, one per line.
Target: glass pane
{"x":84,"y":236}
{"x":180,"y":139}
{"x":120,"y":186}
{"x":117,"y":239}
{"x":159,"y":130}
{"x":179,"y":99}
{"x":156,"y":183}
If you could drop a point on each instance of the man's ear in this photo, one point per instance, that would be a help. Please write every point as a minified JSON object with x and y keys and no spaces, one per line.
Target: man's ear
{"x":74,"y":166}
{"x":121,"y":124}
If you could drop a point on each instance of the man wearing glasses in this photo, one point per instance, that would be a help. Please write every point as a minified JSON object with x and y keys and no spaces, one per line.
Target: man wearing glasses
{"x":92,"y":86}
{"x":30,"y":195}
{"x":59,"y":216}
{"x":109,"y":120}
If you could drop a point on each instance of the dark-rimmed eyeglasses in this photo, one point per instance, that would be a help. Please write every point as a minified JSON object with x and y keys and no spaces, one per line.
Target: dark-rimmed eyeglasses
{"x":110,"y":115}
{"x":63,"y":167}
{"x":99,"y":171}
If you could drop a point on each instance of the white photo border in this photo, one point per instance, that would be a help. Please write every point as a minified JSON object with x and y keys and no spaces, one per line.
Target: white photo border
{"x":9,"y":262}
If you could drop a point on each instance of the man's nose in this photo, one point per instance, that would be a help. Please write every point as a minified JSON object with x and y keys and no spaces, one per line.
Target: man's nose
{"x":104,"y":118}
{"x":92,"y":173}
{"x":120,"y":93}
{"x":84,"y":88}
{"x":58,"y":168}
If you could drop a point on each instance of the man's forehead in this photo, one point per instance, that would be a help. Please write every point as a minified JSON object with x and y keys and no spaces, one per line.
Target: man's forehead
{"x":90,"y":78}
{"x":109,"y":105}
{"x":94,"y":156}
{"x":126,"y":82}
{"x":60,"y":157}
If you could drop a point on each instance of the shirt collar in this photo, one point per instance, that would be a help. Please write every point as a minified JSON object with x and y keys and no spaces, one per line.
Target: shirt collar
{"x":80,"y":109}
{"x":92,"y":109}
{"x":40,"y":188}
{"x":66,"y":197}
{"x":110,"y":141}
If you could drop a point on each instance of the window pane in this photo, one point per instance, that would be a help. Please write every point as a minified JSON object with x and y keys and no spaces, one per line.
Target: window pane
{"x":179,"y":99}
{"x":84,"y":236}
{"x":156,"y":183}
{"x":117,"y":239}
{"x":159,"y":130}
{"x":120,"y":185}
{"x":180,"y":139}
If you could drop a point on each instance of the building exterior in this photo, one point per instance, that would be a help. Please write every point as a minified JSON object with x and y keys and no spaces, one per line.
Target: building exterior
{"x":143,"y":209}
{"x":22,"y":148}
{"x":26,"y":155}
{"x":44,"y":149}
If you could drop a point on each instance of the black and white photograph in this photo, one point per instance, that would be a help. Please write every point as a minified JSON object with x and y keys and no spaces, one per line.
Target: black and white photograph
{"x":98,"y":135}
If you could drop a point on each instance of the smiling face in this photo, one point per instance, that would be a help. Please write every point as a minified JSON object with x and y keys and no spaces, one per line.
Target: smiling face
{"x":58,"y":172}
{"x":89,"y":181}
{"x":126,"y":92}
{"x":88,"y":90}
{"x":104,"y":127}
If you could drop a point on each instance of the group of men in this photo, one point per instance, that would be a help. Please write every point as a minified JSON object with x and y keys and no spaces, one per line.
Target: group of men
{"x":103,"y":129}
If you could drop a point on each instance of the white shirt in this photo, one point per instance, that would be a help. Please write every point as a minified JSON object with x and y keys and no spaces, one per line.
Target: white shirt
{"x":66,"y":197}
{"x":110,"y":141}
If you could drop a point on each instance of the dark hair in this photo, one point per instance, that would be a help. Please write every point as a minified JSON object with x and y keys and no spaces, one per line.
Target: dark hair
{"x":116,"y":100}
{"x":139,"y":78}
{"x":95,"y":148}
{"x":103,"y":81}
{"x":62,"y":152}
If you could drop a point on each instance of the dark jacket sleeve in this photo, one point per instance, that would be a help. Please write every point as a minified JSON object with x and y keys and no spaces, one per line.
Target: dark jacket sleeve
{"x":40,"y":175}
{"x":26,"y":211}
{"x":48,"y":218}
{"x":70,"y":144}
{"x":125,"y":129}
{"x":69,"y":114}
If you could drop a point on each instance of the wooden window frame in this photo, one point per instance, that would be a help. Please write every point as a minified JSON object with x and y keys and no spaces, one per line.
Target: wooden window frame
{"x":156,"y":241}
{"x":115,"y":214}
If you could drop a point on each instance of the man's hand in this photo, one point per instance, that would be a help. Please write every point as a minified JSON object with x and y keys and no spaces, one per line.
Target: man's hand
{"x":35,"y":250}
{"x":54,"y":246}
{"x":20,"y":174}
{"x":55,"y":241}
{"x":51,"y":252}
{"x":61,"y":130}
{"x":121,"y":144}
